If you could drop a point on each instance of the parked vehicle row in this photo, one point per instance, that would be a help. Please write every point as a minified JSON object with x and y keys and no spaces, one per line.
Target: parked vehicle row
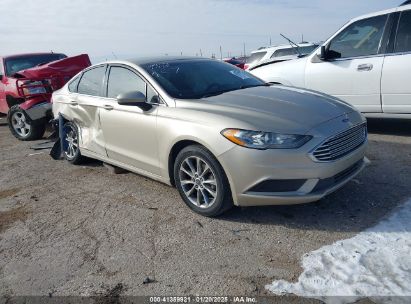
{"x":366,"y":64}
{"x":26,"y":84}
{"x":220,"y":135}
{"x":223,"y":136}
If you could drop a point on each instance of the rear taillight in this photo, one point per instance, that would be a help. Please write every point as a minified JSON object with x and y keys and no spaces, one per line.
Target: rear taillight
{"x":246,"y":66}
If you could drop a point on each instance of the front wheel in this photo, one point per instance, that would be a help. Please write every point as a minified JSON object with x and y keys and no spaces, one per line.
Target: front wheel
{"x":201,"y":181}
{"x":21,"y":126}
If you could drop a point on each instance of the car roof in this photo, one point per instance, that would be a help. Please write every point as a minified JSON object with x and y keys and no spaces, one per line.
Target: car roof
{"x":387,"y":11}
{"x":163,"y":59}
{"x":29,"y":54}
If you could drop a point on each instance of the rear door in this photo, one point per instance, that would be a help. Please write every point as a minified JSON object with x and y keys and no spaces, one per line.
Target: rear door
{"x":396,"y":74}
{"x":85,"y":109}
{"x":130,"y":133}
{"x":355,"y":76}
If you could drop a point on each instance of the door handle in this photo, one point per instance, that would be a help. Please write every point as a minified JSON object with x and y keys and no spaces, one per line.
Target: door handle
{"x":365,"y":67}
{"x":108,"y":107}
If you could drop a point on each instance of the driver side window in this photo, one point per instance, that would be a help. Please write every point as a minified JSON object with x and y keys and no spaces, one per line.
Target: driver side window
{"x":362,"y":38}
{"x":122,"y":80}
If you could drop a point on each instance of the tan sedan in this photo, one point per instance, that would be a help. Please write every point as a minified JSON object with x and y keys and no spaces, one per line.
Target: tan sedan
{"x":217,"y":133}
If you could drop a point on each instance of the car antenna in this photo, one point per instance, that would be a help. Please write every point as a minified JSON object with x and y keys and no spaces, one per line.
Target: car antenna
{"x":293,"y":45}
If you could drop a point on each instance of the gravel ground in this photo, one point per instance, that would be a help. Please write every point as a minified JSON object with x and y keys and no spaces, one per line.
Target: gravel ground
{"x":79,"y":230}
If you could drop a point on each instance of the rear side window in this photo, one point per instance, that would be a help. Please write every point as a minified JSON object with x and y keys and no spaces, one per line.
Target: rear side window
{"x":361,"y":38}
{"x":91,"y":82}
{"x":1,"y":67}
{"x":122,"y":80}
{"x":255,"y":57}
{"x":74,"y":84}
{"x":403,"y":41}
{"x":284,"y":52}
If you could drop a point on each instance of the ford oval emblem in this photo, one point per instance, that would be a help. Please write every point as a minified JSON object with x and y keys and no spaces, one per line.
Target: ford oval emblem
{"x":346,"y":118}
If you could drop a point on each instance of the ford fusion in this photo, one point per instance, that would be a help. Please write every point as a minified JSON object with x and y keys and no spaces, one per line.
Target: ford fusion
{"x":218,"y":134}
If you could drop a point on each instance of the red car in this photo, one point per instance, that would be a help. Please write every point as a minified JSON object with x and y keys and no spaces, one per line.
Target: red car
{"x":26,"y":84}
{"x":236,"y":61}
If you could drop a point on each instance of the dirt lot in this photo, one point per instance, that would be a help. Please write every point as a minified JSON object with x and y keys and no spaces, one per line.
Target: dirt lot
{"x":78,"y":230}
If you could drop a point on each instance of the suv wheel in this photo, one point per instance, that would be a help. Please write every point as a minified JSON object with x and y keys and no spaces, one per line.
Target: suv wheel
{"x":71,"y":137}
{"x":21,"y":126}
{"x":201,"y":181}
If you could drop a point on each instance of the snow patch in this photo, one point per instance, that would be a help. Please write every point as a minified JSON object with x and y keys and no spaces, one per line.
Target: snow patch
{"x":375,"y":263}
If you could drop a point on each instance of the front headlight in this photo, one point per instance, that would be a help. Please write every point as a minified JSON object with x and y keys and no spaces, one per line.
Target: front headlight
{"x":265,"y":140}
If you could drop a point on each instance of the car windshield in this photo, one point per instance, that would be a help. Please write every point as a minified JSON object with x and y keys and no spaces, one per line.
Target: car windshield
{"x":193,"y":79}
{"x":16,"y":64}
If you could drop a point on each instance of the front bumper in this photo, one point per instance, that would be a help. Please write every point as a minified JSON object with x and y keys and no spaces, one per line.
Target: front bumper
{"x":286,"y":177}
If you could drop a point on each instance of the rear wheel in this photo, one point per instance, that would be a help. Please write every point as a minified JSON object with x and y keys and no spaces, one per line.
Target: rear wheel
{"x":21,"y":126}
{"x":201,"y":181}
{"x":71,"y":138}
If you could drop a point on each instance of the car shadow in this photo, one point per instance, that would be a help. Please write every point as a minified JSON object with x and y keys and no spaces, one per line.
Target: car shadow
{"x":372,"y":195}
{"x":389,"y":126}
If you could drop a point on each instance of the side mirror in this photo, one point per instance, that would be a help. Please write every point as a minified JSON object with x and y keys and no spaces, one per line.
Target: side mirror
{"x":323,"y":53}
{"x":135,"y":98}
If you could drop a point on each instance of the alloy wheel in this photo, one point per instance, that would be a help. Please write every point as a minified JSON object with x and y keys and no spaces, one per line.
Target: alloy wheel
{"x":20,"y":125}
{"x":198,"y":181}
{"x":72,"y":143}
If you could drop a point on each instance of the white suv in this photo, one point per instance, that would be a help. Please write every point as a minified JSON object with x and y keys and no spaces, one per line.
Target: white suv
{"x":278,"y":53}
{"x":367,"y":64}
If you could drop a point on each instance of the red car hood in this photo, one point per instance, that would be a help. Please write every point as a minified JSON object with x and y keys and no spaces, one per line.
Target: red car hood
{"x":67,"y":67}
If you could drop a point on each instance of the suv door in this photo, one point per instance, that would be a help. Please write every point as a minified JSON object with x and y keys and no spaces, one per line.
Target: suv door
{"x":85,"y":104}
{"x":129,"y":132}
{"x":354,"y":74}
{"x":395,"y":83}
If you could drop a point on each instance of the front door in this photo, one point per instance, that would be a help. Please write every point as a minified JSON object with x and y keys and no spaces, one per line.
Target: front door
{"x":129,"y":132}
{"x":395,"y":83}
{"x":355,"y":73}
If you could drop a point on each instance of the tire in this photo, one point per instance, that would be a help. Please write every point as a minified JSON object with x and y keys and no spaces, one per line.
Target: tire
{"x":205,"y":191}
{"x":72,"y":150}
{"x":22,"y":127}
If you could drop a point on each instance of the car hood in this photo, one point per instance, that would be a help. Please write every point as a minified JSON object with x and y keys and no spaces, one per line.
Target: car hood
{"x":67,"y":67}
{"x":275,"y":108}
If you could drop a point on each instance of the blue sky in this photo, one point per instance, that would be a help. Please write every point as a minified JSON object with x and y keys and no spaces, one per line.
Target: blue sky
{"x":131,"y":28}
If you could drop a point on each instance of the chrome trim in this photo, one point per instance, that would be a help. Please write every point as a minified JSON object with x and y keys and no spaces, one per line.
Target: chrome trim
{"x":335,"y":147}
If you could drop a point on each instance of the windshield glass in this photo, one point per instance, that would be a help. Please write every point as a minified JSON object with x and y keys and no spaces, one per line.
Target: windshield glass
{"x":16,"y":64}
{"x":193,"y":79}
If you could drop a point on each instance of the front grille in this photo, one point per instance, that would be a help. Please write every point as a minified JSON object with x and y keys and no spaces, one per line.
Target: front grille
{"x":330,"y":182}
{"x":341,"y":144}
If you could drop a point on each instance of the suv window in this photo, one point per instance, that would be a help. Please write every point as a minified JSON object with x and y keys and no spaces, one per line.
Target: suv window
{"x":403,"y":41}
{"x":255,"y":57}
{"x":122,"y":80}
{"x":1,"y":67}
{"x":362,"y":38}
{"x":91,"y":82}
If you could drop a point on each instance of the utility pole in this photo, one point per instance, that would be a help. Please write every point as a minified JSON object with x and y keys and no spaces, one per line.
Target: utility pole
{"x":270,"y":41}
{"x":245,"y":55}
{"x":221,"y":53}
{"x":201,"y":53}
